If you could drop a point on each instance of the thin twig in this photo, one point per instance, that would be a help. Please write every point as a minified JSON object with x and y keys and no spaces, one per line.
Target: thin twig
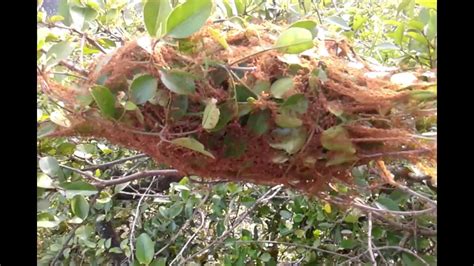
{"x":137,"y":213}
{"x":295,"y":245}
{"x":180,"y":253}
{"x":69,"y":74}
{"x":387,"y":247}
{"x":84,"y":174}
{"x":369,"y":240}
{"x":112,"y":182}
{"x":185,"y":225}
{"x":73,"y":68}
{"x":106,"y":165}
{"x":264,"y":198}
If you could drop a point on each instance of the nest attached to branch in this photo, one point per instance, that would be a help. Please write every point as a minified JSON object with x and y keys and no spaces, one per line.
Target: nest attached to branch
{"x":348,"y":112}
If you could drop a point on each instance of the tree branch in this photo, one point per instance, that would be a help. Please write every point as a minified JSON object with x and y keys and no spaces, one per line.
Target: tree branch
{"x":106,"y":165}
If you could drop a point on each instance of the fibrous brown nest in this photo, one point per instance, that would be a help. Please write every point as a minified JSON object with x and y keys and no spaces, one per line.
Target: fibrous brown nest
{"x":368,"y":115}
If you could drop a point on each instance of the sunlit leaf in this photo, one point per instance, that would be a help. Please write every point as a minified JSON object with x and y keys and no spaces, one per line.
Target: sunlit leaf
{"x":188,"y":17}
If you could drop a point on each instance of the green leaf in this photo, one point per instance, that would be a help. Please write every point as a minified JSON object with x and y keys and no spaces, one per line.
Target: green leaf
{"x":130,"y":106}
{"x":260,"y":86}
{"x":81,"y":16}
{"x":192,"y":144}
{"x":295,"y":40}
{"x":175,"y":210}
{"x":259,"y":122}
{"x":188,"y":18}
{"x":306,"y":24}
{"x":179,"y":107}
{"x":290,"y":140}
{"x":427,"y":3}
{"x":265,"y":257}
{"x":80,"y":206}
{"x":63,"y":10}
{"x":226,"y":113}
{"x":155,"y":13}
{"x":211,"y":115}
{"x":285,"y":214}
{"x":44,"y":181}
{"x":338,"y":21}
{"x":387,"y":46}
{"x":218,"y":36}
{"x":58,"y":52}
{"x":281,"y":86}
{"x":348,"y":243}
{"x":179,"y":82}
{"x":387,"y":203}
{"x":337,"y":139}
{"x":49,"y":165}
{"x":145,"y":249}
{"x":287,"y":121}
{"x":423,"y":95}
{"x":143,"y":88}
{"x":105,"y":100}
{"x":297,"y":103}
{"x":159,"y":262}
{"x":78,"y":188}
{"x":358,"y":22}
{"x":243,"y":93}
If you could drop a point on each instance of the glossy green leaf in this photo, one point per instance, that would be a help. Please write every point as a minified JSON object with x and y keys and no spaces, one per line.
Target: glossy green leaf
{"x":105,"y":100}
{"x":337,"y":139}
{"x":387,"y":203}
{"x":78,"y":188}
{"x":80,"y":206}
{"x":188,"y":17}
{"x":358,"y":22}
{"x":261,"y":86}
{"x":226,"y":113}
{"x":295,"y":40}
{"x":143,"y":88}
{"x":297,"y":103}
{"x":211,"y":115}
{"x":49,"y":165}
{"x":159,"y":262}
{"x":287,"y":121}
{"x":145,"y":249}
{"x":179,"y":107}
{"x":44,"y":181}
{"x":338,"y":21}
{"x":155,"y":13}
{"x":306,"y":24}
{"x":291,"y":141}
{"x":175,"y":210}
{"x":265,"y":257}
{"x":81,"y":16}
{"x":243,"y":93}
{"x":192,"y":144}
{"x":281,"y":86}
{"x":178,"y":81}
{"x":259,"y":122}
{"x":58,"y":52}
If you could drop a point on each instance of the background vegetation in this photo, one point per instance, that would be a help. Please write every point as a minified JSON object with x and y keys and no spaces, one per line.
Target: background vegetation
{"x":184,"y":220}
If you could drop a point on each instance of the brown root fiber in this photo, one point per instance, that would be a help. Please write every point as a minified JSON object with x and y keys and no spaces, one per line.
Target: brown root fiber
{"x":365,"y":112}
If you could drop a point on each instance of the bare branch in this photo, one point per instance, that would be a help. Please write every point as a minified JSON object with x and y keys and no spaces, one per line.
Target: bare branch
{"x":106,"y":165}
{"x":264,"y":198}
{"x":295,"y":245}
{"x":73,"y":68}
{"x":369,"y":240}
{"x":180,"y":253}
{"x":135,"y":176}
{"x":137,"y":213}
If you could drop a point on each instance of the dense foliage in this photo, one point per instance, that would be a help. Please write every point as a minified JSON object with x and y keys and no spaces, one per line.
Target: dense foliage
{"x":160,"y":217}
